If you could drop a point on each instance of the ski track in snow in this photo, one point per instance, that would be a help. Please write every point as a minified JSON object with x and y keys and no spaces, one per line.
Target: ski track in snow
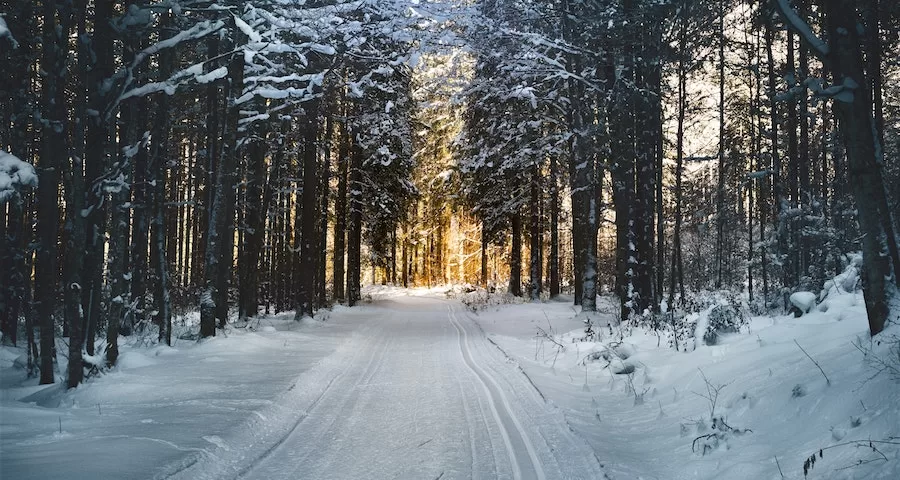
{"x":514,"y":437}
{"x":416,"y":392}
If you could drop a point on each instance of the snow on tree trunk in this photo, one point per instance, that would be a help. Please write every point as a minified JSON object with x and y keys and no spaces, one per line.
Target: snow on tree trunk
{"x":354,"y":227}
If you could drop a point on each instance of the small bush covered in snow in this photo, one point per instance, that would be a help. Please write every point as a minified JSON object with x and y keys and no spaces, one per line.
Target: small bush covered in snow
{"x":477,"y":298}
{"x":803,"y":302}
{"x":724,"y":318}
{"x":704,"y":317}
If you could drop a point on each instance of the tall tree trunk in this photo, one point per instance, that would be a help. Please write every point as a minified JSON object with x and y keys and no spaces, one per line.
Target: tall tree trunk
{"x":805,"y":195}
{"x":354,"y":227}
{"x":219,"y":240}
{"x":484,"y":257}
{"x":322,"y":232}
{"x":98,"y":153}
{"x":139,"y":206}
{"x":775,"y":168}
{"x":535,"y":252}
{"x":73,"y":171}
{"x":660,"y":265}
{"x":310,"y":215}
{"x":623,"y":136}
{"x":789,"y":223}
{"x":140,"y":226}
{"x":158,"y":165}
{"x":676,"y":276}
{"x":584,"y":205}
{"x":119,"y":220}
{"x":881,"y":260}
{"x":554,"y":228}
{"x":764,"y":197}
{"x":720,"y":170}
{"x":230,"y":159}
{"x":259,"y":197}
{"x":212,"y":186}
{"x":515,"y":256}
{"x":53,"y":157}
{"x":646,"y":122}
{"x":581,"y":176}
{"x":340,"y":212}
{"x":755,"y":134}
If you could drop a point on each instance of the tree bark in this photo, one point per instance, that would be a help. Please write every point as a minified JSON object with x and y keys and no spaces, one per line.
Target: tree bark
{"x":515,"y":256}
{"x":158,"y":166}
{"x":322,"y":232}
{"x":354,"y":227}
{"x":219,"y":240}
{"x":53,"y":157}
{"x":720,"y":181}
{"x":340,"y":212}
{"x":881,"y":261}
{"x":309,"y":214}
{"x":98,"y":151}
{"x":259,"y":197}
{"x":554,"y":228}
{"x":775,"y":168}
{"x":536,"y":249}
{"x":74,"y":227}
{"x":676,"y":276}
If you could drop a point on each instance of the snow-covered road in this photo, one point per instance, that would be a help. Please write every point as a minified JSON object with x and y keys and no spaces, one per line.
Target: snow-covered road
{"x":416,"y":392}
{"x":410,"y":387}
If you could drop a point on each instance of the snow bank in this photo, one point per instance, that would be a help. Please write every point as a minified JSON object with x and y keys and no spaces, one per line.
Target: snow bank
{"x":646,"y":411}
{"x":159,"y":406}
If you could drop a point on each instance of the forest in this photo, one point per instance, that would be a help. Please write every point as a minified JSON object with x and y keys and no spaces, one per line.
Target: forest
{"x":241,"y":158}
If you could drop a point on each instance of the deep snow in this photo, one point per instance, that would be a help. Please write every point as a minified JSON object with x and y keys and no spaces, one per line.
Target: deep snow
{"x":160,"y":405}
{"x":643,"y":425}
{"x":415,"y":385}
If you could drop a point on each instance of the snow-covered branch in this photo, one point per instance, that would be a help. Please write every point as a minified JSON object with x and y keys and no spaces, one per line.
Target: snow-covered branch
{"x":794,"y":22}
{"x":14,"y":174}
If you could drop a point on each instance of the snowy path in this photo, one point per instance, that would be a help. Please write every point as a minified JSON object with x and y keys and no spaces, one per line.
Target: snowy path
{"x":416,"y":392}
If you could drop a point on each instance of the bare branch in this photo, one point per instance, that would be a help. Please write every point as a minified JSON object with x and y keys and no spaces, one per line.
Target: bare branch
{"x":827,"y":381}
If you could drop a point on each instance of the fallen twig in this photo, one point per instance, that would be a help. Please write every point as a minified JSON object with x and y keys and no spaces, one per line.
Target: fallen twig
{"x":827,"y":381}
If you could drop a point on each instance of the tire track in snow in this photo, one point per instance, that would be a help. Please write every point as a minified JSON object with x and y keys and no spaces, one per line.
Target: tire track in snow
{"x":189,"y":465}
{"x":348,"y":401}
{"x":562,"y":436}
{"x":514,"y":436}
{"x":351,"y":402}
{"x":268,"y":453}
{"x":470,"y":429}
